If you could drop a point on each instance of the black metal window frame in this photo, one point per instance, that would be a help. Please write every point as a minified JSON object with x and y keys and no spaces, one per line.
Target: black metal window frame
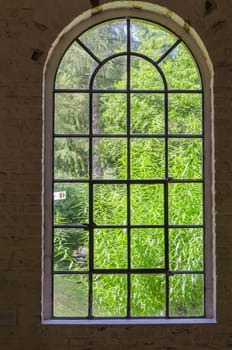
{"x":90,"y":226}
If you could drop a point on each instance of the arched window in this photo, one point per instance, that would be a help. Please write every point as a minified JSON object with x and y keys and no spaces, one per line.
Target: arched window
{"x":126,"y":183}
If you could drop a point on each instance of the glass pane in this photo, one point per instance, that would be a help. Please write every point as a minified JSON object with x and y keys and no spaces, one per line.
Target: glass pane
{"x":75,"y":69}
{"x":109,"y":158}
{"x":71,"y":158}
{"x":110,"y":202}
{"x":180,"y":69}
{"x":72,"y":206}
{"x":150,"y":39}
{"x":112,"y":75}
{"x":107,"y":38}
{"x":147,"y":158}
{"x":70,"y":295}
{"x":71,"y":249}
{"x":144,"y":75}
{"x":185,"y":204}
{"x":185,"y":158}
{"x":147,"y":113}
{"x":185,"y":113}
{"x":109,"y":113}
{"x":147,"y":295}
{"x":109,"y":295}
{"x":147,"y":248}
{"x":186,"y":249}
{"x":71,"y":113}
{"x":147,"y":204}
{"x":186,"y":295}
{"x":110,"y":249}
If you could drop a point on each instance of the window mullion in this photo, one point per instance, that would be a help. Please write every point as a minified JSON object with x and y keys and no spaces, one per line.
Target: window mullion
{"x":91,"y":198}
{"x":128,"y":175}
{"x":166,"y":220}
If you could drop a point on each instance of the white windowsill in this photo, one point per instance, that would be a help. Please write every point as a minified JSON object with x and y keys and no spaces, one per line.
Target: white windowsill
{"x":107,"y":322}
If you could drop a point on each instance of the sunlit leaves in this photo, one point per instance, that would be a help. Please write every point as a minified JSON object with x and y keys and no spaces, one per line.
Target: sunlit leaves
{"x":111,"y":112}
{"x":148,"y":295}
{"x":185,"y":204}
{"x":147,"y":248}
{"x":147,"y":204}
{"x":185,"y":249}
{"x":185,"y":113}
{"x":186,"y":295}
{"x":147,"y":113}
{"x":144,"y":75}
{"x":185,"y":158}
{"x":110,"y":248}
{"x":147,"y":158}
{"x":180,"y":69}
{"x":110,"y":204}
{"x":109,"y":295}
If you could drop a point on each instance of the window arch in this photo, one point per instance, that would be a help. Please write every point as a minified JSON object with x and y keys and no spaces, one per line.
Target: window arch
{"x":127,"y":231}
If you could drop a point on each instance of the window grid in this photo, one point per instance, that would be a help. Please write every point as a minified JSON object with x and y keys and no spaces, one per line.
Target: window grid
{"x":128,"y":182}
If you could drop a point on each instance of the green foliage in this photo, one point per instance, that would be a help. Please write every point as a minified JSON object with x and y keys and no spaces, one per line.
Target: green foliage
{"x":147,"y":113}
{"x":106,"y":39}
{"x":110,"y":248}
{"x":74,"y":209}
{"x":186,"y":295}
{"x":111,"y":155}
{"x":71,"y":113}
{"x":144,"y":75}
{"x":180,"y":69}
{"x":66,"y":244}
{"x":109,"y":295}
{"x":146,"y":157}
{"x":150,"y":39}
{"x":185,"y":115}
{"x":148,"y":295}
{"x":110,"y":204}
{"x":70,"y":73}
{"x":147,"y":248}
{"x":112,"y":112}
{"x":185,"y":249}
{"x":71,"y":158}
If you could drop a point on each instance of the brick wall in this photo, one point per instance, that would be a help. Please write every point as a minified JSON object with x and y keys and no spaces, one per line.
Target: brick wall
{"x":27,"y":29}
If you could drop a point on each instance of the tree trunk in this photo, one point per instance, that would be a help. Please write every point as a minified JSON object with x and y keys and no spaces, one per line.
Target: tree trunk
{"x":97,"y":170}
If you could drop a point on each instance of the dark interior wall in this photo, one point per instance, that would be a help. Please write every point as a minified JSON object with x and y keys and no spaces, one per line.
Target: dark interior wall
{"x":27,"y":30}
